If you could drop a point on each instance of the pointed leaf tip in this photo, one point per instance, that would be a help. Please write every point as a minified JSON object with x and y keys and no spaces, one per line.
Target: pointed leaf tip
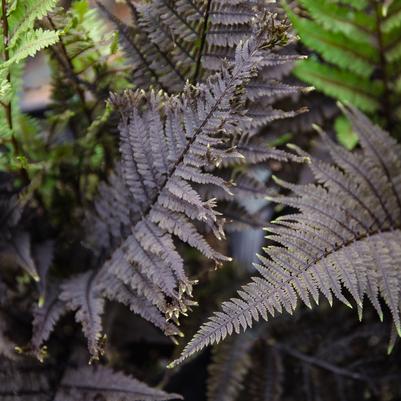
{"x":398,"y":330}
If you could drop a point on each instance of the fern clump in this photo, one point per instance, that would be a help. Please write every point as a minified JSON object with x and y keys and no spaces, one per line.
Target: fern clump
{"x":138,"y":187}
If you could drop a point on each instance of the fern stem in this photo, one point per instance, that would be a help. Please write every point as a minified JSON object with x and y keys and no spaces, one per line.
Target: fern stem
{"x":7,"y":106}
{"x":386,"y":107}
{"x":71,"y":74}
{"x":321,"y":363}
{"x":202,"y":43}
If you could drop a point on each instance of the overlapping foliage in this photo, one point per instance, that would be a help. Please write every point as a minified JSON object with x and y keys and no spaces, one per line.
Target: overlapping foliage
{"x":170,"y":43}
{"x":263,"y":363}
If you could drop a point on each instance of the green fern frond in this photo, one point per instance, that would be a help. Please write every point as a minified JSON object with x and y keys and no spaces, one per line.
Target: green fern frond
{"x":358,"y":44}
{"x":19,"y":40}
{"x":24,"y":15}
{"x":355,"y":24}
{"x":341,"y":84}
{"x":337,"y":48}
{"x":32,"y":42}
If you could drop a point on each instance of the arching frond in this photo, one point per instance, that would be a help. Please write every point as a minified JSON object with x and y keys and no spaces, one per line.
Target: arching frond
{"x":346,"y":235}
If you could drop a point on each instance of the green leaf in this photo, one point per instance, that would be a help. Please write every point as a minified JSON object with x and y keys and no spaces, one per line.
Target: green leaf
{"x":342,"y":85}
{"x":352,"y":23}
{"x":31,"y":43}
{"x":22,"y":18}
{"x":336,"y":48}
{"x":346,"y":136}
{"x":393,"y":18}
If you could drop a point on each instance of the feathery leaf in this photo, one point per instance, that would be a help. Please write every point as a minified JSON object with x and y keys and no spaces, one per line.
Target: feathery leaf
{"x":346,"y":235}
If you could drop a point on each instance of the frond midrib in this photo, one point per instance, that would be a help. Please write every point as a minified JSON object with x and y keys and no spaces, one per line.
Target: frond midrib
{"x":191,"y":141}
{"x":258,"y":300}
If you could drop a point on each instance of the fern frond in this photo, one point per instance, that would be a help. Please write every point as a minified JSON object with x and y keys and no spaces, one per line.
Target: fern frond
{"x":231,"y":362}
{"x":82,"y":293}
{"x":19,"y":41}
{"x":153,"y":198}
{"x":24,"y":15}
{"x":342,"y":84}
{"x":357,"y":24}
{"x":347,"y":235}
{"x":177,"y":41}
{"x":23,"y":379}
{"x":337,"y":48}
{"x":92,"y":382}
{"x":32,"y":42}
{"x":85,"y":294}
{"x":46,"y":316}
{"x":359,"y":48}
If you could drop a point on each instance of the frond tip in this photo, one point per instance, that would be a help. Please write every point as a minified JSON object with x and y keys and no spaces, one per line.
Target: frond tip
{"x":347,"y":234}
